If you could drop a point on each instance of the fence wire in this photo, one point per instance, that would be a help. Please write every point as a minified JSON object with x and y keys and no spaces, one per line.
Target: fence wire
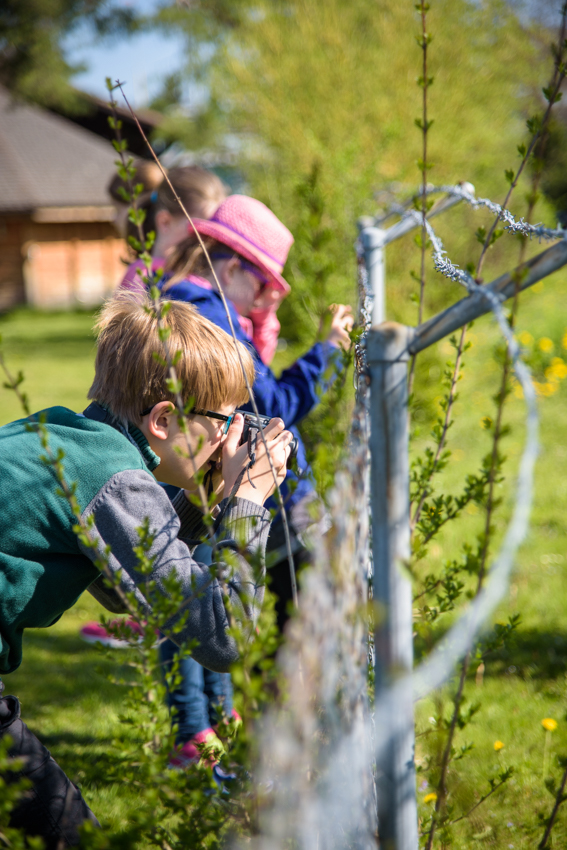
{"x":316,"y":771}
{"x":318,"y":752}
{"x":439,"y":665}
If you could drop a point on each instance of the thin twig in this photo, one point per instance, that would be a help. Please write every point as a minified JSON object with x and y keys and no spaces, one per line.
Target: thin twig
{"x":446,"y":758}
{"x":560,"y":70}
{"x":481,"y":801}
{"x":445,"y":429}
{"x":425,"y":38}
{"x":225,"y":304}
{"x":559,"y":799}
{"x":146,"y":258}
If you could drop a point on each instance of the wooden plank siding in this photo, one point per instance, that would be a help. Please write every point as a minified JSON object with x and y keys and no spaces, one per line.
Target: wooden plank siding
{"x":58,"y":265}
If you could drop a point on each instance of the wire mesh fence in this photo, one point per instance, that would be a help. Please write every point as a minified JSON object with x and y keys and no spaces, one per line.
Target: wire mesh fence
{"x":322,"y":754}
{"x":316,"y":775}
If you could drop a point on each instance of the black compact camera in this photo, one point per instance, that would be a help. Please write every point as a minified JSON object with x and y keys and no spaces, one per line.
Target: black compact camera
{"x":251,"y":428}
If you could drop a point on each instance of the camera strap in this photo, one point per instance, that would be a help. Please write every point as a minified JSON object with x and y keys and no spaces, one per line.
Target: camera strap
{"x":252,"y":440}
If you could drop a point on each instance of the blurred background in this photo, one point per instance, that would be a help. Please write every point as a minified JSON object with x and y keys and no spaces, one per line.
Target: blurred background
{"x":309,"y":106}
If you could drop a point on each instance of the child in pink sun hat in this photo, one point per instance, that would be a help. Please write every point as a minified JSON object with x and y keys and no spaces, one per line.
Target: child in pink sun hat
{"x":248,"y":246}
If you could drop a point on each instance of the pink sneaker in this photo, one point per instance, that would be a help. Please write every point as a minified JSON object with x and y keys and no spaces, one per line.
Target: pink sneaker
{"x":95,"y":633}
{"x":230,"y":726}
{"x":204,"y":747}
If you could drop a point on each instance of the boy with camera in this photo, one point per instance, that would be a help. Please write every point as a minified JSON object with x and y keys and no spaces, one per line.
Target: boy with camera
{"x":116,"y":451}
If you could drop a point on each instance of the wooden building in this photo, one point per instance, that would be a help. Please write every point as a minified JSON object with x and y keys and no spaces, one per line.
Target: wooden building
{"x":58,"y":246}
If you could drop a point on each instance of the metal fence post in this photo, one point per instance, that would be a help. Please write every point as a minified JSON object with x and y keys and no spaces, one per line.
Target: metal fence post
{"x":373,"y":244}
{"x":387,"y":353}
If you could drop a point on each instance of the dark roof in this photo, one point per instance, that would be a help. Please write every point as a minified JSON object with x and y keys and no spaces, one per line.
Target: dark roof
{"x":94,"y":114}
{"x":46,"y":160}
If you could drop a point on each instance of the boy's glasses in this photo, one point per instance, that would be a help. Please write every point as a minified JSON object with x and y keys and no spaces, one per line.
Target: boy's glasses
{"x":212,"y":414}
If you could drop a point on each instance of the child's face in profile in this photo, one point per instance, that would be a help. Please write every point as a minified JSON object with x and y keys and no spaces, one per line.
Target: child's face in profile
{"x":167,"y":439}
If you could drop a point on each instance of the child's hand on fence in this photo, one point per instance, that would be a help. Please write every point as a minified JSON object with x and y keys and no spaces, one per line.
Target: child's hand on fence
{"x":235,"y":458}
{"x":337,"y":324}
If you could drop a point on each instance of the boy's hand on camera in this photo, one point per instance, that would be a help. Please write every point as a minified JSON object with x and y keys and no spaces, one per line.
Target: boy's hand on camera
{"x":341,"y":322}
{"x":235,"y":458}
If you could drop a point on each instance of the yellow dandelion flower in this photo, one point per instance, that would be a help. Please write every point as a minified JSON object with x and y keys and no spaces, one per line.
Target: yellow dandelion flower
{"x":545,"y":344}
{"x":557,"y":361}
{"x":549,"y":388}
{"x":558,"y":370}
{"x":518,"y":391}
{"x":551,"y":374}
{"x":549,"y":724}
{"x":498,"y":745}
{"x":430,"y":798}
{"x":527,"y":339}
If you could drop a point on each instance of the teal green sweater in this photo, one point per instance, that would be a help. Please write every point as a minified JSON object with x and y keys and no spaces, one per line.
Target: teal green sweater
{"x":44,"y":568}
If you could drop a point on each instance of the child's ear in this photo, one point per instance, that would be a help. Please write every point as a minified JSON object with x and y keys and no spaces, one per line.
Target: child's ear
{"x":160,"y":419}
{"x":228,"y":269}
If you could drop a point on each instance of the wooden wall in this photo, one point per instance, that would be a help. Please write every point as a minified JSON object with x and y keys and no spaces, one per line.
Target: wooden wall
{"x":12,"y":290}
{"x":61,"y":265}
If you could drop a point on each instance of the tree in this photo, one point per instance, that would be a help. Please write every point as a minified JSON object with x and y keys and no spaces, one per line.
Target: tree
{"x":32,"y":60}
{"x":334,"y":84}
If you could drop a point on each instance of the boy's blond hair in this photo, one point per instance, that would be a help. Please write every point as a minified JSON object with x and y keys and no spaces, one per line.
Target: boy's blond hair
{"x":129,"y":378}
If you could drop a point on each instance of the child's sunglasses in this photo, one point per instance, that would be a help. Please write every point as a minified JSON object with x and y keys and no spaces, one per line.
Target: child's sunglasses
{"x":244,"y":264}
{"x":212,"y":414}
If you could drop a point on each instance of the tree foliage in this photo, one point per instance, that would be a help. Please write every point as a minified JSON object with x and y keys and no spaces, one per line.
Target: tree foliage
{"x":332,"y":85}
{"x":33,"y":65}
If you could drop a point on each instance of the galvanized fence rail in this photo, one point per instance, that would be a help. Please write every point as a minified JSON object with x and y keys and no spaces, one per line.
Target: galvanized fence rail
{"x":389,"y":347}
{"x":334,"y":773}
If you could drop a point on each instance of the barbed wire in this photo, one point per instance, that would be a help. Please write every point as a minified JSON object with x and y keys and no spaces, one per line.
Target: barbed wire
{"x":338,"y":806}
{"x":464,"y":191}
{"x":513,"y":225}
{"x":440,"y":664}
{"x":316,"y":751}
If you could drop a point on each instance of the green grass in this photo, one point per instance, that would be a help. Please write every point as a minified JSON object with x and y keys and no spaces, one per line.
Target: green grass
{"x":68,"y":700}
{"x":56,"y":353}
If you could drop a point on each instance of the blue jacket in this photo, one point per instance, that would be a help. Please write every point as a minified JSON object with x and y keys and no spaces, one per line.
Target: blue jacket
{"x":290,"y":396}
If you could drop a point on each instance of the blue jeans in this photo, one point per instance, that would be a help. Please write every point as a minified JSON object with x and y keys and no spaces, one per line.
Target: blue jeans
{"x":199,"y":696}
{"x":202,"y":696}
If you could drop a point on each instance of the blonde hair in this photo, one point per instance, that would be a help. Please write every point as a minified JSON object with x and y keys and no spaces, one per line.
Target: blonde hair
{"x":200,"y":191}
{"x":188,"y":257}
{"x":129,"y":378}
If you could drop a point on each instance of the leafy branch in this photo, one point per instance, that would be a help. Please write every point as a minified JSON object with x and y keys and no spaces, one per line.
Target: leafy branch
{"x":424,"y":81}
{"x":495,"y":784}
{"x":536,"y":126}
{"x":560,"y":798}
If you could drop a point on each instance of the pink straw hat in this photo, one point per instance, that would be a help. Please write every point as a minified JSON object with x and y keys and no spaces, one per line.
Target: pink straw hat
{"x":253,"y":231}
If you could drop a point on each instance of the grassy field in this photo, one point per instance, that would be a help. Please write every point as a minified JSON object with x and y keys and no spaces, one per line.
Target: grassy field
{"x":63,"y":683}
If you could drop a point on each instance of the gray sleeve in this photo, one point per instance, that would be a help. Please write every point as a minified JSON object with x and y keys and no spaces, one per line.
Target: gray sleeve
{"x":106,"y":595}
{"x":119,"y":509}
{"x":192,"y":525}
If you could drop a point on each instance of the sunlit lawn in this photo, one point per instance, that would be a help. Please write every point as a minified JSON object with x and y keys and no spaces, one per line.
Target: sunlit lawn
{"x":69,"y":702}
